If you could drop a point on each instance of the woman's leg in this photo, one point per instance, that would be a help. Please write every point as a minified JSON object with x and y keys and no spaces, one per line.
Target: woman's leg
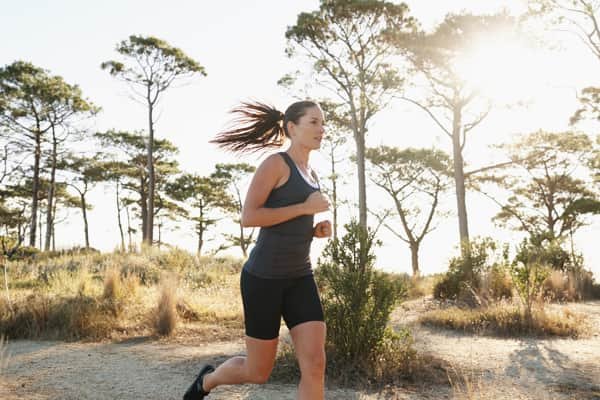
{"x":309,"y":344}
{"x":254,"y":368}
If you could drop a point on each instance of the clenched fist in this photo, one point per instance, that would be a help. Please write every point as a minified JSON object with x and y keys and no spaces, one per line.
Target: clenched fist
{"x":316,"y":202}
{"x":323,"y":229}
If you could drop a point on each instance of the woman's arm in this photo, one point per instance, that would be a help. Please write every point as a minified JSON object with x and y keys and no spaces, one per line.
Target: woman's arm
{"x":266,"y":177}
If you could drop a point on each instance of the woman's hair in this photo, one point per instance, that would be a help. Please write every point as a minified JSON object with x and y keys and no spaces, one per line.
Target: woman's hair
{"x":258,"y":126}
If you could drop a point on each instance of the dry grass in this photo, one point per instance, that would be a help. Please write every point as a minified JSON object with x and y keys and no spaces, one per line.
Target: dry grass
{"x":466,"y":385}
{"x":166,"y":312}
{"x":112,"y":284}
{"x":508,"y":320}
{"x":421,"y":286}
{"x":48,"y":316}
{"x":570,"y":286}
{"x":95,"y":296}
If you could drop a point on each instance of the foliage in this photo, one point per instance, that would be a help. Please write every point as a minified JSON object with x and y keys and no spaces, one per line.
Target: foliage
{"x":127,"y":166}
{"x":153,"y":65}
{"x":231,"y":177}
{"x":463,"y":279}
{"x":546,"y":194}
{"x":530,"y":268}
{"x":350,"y":44}
{"x":452,"y":103}
{"x":203,"y":195}
{"x":357,"y":299}
{"x":34,"y":105}
{"x":414,"y":179}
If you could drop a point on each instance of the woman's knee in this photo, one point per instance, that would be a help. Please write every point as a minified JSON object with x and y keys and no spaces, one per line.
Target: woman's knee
{"x":313,"y":363}
{"x":259,"y":376}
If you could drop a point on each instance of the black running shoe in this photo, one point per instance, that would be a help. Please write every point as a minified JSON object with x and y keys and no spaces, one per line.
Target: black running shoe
{"x":195,"y":391}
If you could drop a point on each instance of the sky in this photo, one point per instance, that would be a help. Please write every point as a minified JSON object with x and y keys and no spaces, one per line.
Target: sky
{"x":241,"y":45}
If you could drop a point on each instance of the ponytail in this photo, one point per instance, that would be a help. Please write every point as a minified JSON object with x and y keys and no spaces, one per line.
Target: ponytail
{"x":258,"y":126}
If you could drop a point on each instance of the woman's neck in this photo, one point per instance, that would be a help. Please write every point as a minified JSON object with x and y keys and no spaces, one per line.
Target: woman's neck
{"x":299,"y":155}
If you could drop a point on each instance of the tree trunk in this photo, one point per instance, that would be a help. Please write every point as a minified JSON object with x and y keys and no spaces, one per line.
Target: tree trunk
{"x":144,"y":210}
{"x":53,"y":231}
{"x":150,"y":216}
{"x":459,"y":179}
{"x":53,"y":238}
{"x":35,"y":189}
{"x":159,"y":234}
{"x":50,"y":200}
{"x":334,"y":195}
{"x":128,"y":230}
{"x":243,"y":244}
{"x":362,"y":188}
{"x":200,"y":232}
{"x":119,"y":219}
{"x":85,"y":222}
{"x":40,"y":226}
{"x":414,"y":257}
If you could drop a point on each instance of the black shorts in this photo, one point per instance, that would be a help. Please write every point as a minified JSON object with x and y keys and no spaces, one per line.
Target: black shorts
{"x":267,"y":300}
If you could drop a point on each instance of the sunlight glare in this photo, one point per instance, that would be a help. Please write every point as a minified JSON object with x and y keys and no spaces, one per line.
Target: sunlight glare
{"x":504,"y":72}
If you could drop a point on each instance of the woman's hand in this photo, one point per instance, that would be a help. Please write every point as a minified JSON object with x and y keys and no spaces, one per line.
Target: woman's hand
{"x":316,"y":202}
{"x":322,"y":229}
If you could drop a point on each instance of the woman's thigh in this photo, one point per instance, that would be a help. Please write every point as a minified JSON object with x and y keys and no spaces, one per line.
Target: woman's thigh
{"x":262,"y":299}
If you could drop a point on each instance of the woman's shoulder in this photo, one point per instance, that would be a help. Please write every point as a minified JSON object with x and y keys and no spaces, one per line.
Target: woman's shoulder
{"x":273,"y":161}
{"x":274,"y":165}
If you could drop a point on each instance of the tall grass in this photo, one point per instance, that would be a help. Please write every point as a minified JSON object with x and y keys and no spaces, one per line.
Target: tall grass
{"x":92,"y":296}
{"x":166,"y":317}
{"x":509,"y":320}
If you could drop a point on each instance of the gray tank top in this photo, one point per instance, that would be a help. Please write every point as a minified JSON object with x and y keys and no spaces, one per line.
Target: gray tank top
{"x":283,"y":250}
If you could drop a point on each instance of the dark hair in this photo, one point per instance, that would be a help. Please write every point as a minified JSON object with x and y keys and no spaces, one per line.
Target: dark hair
{"x":258,"y":126}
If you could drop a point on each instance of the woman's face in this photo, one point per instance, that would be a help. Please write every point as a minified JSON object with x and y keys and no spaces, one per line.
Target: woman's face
{"x":310,"y":129}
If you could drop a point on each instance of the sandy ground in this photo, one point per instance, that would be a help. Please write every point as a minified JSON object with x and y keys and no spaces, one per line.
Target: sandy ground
{"x":147,"y":369}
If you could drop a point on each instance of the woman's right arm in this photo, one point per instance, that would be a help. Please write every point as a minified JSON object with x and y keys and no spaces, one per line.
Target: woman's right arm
{"x":254,"y":213}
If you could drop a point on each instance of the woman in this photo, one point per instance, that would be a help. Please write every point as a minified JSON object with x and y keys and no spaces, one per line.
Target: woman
{"x":277,"y":280}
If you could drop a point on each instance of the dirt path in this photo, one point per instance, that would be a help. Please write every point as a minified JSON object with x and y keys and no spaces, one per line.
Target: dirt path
{"x":500,"y":368}
{"x":142,"y":370}
{"x":568,"y":368}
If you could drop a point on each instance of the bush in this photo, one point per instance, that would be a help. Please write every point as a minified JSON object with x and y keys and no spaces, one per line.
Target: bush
{"x":463,"y":279}
{"x":496,"y":284}
{"x":529,"y":269}
{"x":357,"y":300}
{"x":575,"y":285}
{"x":25,"y":253}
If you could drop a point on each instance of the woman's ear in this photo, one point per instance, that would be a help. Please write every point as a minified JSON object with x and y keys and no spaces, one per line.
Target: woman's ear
{"x":291,"y":128}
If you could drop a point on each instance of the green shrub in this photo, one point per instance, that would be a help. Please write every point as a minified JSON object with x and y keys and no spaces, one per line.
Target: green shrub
{"x":463,"y":279}
{"x":497,"y":283}
{"x":25,"y":253}
{"x":529,"y":269}
{"x":357,"y":300}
